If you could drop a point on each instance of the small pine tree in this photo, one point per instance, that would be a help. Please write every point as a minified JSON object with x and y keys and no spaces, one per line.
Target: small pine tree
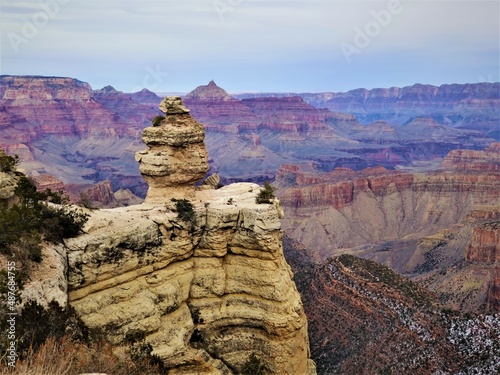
{"x":185,"y":210}
{"x":266,"y":194}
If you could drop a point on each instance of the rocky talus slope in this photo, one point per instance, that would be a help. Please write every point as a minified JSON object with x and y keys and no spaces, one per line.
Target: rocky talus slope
{"x":366,"y":319}
{"x":204,"y":282}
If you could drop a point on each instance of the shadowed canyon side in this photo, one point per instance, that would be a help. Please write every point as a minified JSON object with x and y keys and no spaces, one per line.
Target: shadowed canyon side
{"x":206,"y":282}
{"x":429,"y":226}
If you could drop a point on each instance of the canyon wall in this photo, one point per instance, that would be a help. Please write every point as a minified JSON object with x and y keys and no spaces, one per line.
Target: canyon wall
{"x":62,"y":127}
{"x":439,"y":228}
{"x":468,"y":106}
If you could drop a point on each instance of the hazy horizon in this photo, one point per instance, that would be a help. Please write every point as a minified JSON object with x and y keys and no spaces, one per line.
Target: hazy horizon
{"x":250,"y":46}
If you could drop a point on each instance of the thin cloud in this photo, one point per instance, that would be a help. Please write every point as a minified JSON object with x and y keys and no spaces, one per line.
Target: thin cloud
{"x":273,"y":44}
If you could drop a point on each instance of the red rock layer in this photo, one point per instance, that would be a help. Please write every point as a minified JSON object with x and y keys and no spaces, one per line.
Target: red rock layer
{"x":487,"y":160}
{"x":306,"y":187}
{"x":220,"y":112}
{"x":337,"y":188}
{"x":36,"y":107}
{"x":480,"y":96}
{"x":484,"y":245}
{"x":46,"y":181}
{"x":100,"y":194}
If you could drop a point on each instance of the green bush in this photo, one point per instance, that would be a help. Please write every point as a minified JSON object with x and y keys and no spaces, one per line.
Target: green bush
{"x":266,"y":194}
{"x":143,"y":352}
{"x":184,"y":209}
{"x":253,"y":366}
{"x":32,"y":219}
{"x":62,"y":222}
{"x":35,"y":324}
{"x":8,"y":163}
{"x":33,"y":214}
{"x":157,"y":120}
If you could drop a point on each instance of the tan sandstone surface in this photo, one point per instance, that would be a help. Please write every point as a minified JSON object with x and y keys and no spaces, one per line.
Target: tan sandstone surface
{"x":206,"y":294}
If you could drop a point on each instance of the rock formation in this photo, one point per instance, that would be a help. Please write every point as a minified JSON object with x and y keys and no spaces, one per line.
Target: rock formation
{"x":206,"y":294}
{"x":176,"y":157}
{"x":210,"y":92}
{"x":484,"y":245}
{"x":206,"y":284}
{"x":483,"y":250}
{"x":353,"y":305}
{"x":487,"y":160}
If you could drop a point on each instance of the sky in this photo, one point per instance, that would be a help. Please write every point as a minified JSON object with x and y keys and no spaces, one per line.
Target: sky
{"x":252,"y":45}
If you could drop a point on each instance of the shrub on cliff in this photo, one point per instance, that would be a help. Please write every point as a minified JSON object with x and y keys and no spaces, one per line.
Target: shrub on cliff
{"x":157,"y":120}
{"x":34,"y":214}
{"x":266,"y":194}
{"x":184,"y":209}
{"x":64,"y":345}
{"x":25,"y":224}
{"x":8,"y":163}
{"x":253,"y":366}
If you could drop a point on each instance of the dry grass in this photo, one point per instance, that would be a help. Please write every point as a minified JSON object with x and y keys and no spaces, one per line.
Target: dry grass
{"x":64,"y":357}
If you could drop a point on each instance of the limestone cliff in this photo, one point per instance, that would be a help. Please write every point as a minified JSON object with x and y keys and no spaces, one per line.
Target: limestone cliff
{"x":206,"y":294}
{"x":207,"y":286}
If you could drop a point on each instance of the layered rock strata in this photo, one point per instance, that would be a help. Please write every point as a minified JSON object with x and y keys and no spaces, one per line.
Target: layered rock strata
{"x":203,"y":280}
{"x":205,"y":293}
{"x":484,"y":245}
{"x":439,"y":227}
{"x":487,"y":160}
{"x":176,"y":157}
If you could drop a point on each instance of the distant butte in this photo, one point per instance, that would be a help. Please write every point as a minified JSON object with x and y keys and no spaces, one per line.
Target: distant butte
{"x":210,"y":92}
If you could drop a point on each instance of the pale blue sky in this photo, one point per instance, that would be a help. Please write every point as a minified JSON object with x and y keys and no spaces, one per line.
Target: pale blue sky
{"x":252,"y":45}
